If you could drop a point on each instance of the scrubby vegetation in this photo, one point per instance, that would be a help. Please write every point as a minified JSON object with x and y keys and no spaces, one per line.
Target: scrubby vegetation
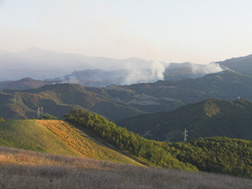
{"x":48,"y":117}
{"x":208,"y":118}
{"x":26,"y":169}
{"x":217,"y":154}
{"x":127,"y":141}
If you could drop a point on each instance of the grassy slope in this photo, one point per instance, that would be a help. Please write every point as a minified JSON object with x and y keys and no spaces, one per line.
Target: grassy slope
{"x":83,"y":143}
{"x":26,"y":169}
{"x":30,"y":135}
{"x":56,"y":137}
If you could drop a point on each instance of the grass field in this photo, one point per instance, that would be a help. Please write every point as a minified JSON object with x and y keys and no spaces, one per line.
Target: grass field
{"x":56,"y":137}
{"x":31,"y":135}
{"x":25,"y":169}
{"x":82,"y":143}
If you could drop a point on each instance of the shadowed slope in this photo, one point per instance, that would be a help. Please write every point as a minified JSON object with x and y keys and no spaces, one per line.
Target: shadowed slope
{"x":205,"y":119}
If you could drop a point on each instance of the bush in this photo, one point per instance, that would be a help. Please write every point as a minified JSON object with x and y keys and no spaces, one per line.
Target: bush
{"x":48,"y":116}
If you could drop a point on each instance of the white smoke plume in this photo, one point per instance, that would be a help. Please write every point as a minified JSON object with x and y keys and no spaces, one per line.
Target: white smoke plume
{"x":143,"y":72}
{"x":94,"y":71}
{"x":206,"y":69}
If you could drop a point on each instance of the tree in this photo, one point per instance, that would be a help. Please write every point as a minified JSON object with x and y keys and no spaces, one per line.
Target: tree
{"x":1,"y":119}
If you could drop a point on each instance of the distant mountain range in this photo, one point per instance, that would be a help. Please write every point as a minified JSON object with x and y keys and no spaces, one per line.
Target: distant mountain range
{"x":101,"y":72}
{"x":205,"y":119}
{"x":117,"y":102}
{"x":94,"y":71}
{"x":25,"y":83}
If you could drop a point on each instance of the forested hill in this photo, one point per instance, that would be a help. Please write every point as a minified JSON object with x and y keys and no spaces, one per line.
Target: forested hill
{"x":205,"y":119}
{"x":117,"y":102}
{"x":58,"y":100}
{"x":217,"y":154}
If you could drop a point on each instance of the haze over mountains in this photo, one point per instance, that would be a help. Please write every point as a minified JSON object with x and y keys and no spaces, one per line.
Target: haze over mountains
{"x":94,"y":71}
{"x":117,"y":102}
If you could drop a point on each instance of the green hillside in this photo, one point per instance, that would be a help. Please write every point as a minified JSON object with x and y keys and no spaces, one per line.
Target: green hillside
{"x":30,"y":135}
{"x":58,"y":100}
{"x":216,"y":154}
{"x":205,"y":119}
{"x":56,"y":137}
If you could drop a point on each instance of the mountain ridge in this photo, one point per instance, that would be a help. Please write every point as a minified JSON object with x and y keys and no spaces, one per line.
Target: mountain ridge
{"x":208,"y":118}
{"x":117,"y":102}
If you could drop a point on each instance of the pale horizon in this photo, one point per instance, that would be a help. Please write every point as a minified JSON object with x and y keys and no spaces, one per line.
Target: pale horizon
{"x":170,"y":31}
{"x":76,"y":53}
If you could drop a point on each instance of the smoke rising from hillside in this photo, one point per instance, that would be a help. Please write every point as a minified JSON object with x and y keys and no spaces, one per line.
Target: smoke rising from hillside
{"x":139,"y":71}
{"x":142,"y":73}
{"x":93,"y":71}
{"x":206,"y":69}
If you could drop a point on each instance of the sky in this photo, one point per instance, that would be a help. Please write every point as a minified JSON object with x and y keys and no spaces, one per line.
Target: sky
{"x":161,"y":30}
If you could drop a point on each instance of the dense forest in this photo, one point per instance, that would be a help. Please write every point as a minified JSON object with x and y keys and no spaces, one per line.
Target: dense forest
{"x":216,"y":154}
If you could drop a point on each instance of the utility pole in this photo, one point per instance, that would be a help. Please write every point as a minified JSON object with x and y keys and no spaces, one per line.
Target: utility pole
{"x":185,"y":135}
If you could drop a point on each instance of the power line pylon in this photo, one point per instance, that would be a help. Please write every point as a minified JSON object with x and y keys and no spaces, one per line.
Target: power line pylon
{"x":185,"y":135}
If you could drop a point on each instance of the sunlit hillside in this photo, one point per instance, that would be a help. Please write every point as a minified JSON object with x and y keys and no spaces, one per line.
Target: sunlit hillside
{"x":56,"y":137}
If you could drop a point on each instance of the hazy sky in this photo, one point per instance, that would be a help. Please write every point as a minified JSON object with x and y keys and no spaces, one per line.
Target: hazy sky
{"x":199,"y":31}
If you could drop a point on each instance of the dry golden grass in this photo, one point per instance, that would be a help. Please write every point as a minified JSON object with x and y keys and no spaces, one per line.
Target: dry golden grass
{"x":26,"y":169}
{"x":11,"y":156}
{"x":83,"y":144}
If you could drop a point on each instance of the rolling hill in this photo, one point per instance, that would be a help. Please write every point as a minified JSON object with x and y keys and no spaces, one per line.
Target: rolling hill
{"x":208,"y":118}
{"x":58,"y":100}
{"x":169,"y":95}
{"x":215,"y":154}
{"x":56,"y":137}
{"x":22,"y":84}
{"x":117,"y":102}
